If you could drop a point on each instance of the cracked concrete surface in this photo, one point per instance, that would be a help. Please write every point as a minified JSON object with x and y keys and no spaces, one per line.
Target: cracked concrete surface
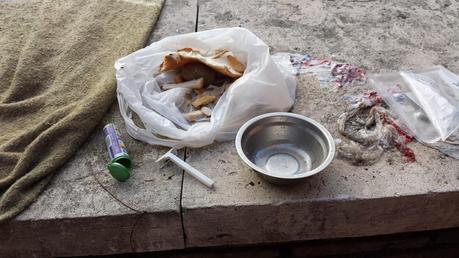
{"x":390,"y":196}
{"x":76,"y":216}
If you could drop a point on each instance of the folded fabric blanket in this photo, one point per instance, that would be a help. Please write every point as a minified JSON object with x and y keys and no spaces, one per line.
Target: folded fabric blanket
{"x":57,"y":81}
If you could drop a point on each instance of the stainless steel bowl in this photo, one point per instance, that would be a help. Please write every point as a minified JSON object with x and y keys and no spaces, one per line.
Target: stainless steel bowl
{"x":285,"y":147}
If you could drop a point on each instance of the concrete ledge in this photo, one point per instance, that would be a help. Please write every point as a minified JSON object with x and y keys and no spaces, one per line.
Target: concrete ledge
{"x":92,"y":235}
{"x":76,"y":216}
{"x":437,"y":243}
{"x":84,"y":211}
{"x":344,"y":200}
{"x":319,"y":219}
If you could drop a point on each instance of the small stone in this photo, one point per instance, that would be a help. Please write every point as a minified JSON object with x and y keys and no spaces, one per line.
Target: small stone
{"x":402,"y":15}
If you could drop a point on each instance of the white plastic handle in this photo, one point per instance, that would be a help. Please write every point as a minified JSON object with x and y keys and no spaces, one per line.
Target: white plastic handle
{"x":189,"y":169}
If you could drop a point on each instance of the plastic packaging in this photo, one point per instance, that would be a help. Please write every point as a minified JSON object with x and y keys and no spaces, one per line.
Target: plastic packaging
{"x":449,"y":147}
{"x":264,"y":87}
{"x":328,"y":72}
{"x":427,"y":101}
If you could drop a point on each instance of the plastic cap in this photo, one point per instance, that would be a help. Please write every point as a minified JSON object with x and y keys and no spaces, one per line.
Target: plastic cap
{"x":118,"y":171}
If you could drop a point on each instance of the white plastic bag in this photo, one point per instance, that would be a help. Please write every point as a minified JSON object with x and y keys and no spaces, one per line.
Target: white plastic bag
{"x":426,"y":101}
{"x":264,"y":87}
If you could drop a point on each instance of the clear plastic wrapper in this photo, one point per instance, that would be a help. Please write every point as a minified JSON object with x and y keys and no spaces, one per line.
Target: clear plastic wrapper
{"x":426,"y":101}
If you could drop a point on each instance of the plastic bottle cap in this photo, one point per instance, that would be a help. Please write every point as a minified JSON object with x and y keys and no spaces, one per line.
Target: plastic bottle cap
{"x":118,"y":171}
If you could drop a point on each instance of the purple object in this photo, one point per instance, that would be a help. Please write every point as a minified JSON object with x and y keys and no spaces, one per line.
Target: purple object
{"x":115,"y":145}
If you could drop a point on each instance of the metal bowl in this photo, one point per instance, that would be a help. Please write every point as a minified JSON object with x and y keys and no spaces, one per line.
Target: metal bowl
{"x":285,"y":147}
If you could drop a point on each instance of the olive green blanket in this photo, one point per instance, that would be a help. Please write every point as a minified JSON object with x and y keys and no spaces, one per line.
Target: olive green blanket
{"x":57,"y":81}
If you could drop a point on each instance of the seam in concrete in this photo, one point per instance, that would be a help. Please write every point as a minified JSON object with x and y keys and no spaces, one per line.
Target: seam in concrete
{"x":180,"y":206}
{"x":131,"y":236}
{"x":197,"y":17}
{"x":185,"y":151}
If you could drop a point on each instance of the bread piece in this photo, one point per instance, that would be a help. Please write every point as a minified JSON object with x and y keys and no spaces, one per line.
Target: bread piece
{"x":194,"y":84}
{"x":222,"y":61}
{"x":202,"y":100}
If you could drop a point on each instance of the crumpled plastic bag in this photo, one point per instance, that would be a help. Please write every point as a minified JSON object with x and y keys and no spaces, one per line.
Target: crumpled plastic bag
{"x":426,"y":101}
{"x":264,"y":87}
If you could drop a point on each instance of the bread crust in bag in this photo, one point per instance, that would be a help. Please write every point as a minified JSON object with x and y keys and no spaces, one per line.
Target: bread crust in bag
{"x":222,"y":61}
